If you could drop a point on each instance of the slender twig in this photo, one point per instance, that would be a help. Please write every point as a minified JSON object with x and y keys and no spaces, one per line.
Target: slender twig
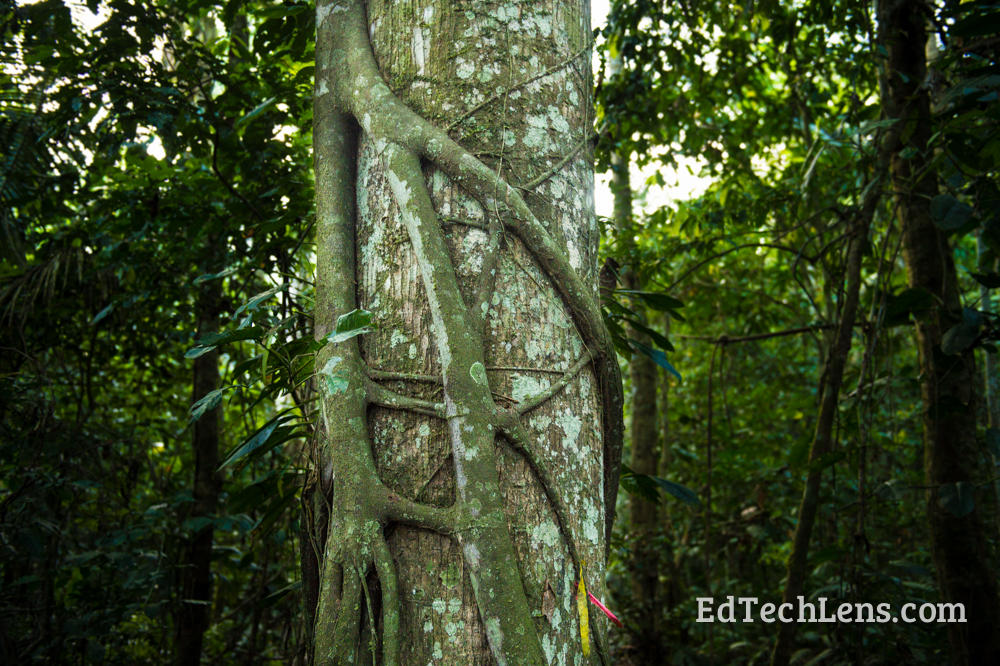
{"x":728,"y":340}
{"x":541,"y":178}
{"x":517,"y":368}
{"x":478,"y":224}
{"x":744,"y":246}
{"x":558,"y":386}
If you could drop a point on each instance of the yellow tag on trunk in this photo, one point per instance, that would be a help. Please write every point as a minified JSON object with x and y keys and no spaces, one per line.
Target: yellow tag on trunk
{"x":581,"y":608}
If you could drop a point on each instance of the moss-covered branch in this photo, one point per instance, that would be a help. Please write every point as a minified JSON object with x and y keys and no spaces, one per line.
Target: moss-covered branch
{"x":489,"y":553}
{"x":384,"y":397}
{"x":516,"y":434}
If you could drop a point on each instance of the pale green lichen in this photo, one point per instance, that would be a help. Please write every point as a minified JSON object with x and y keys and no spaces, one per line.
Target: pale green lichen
{"x":546,"y":533}
{"x":540,"y":422}
{"x":335,"y":381}
{"x":508,"y":12}
{"x":592,"y":524}
{"x":495,"y":633}
{"x":526,"y":387}
{"x":557,"y":120}
{"x":571,"y":426}
{"x":465,"y":69}
{"x":549,"y":648}
{"x":478,"y":373}
{"x":453,"y":628}
{"x":471,"y":554}
{"x":472,"y":249}
{"x":332,"y":363}
{"x":537,"y":136}
{"x":534,"y":349}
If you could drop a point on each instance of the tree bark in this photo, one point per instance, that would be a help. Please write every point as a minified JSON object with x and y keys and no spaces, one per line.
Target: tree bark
{"x":823,"y":438}
{"x":469,"y":444}
{"x":643,"y":561}
{"x":195,"y":575}
{"x":964,"y":572}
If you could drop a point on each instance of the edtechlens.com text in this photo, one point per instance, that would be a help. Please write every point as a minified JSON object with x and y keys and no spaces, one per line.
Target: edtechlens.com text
{"x":750,"y":609}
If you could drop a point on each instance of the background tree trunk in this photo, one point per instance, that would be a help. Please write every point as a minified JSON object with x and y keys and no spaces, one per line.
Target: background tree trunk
{"x":947,"y":382}
{"x":195,"y":570}
{"x":643,"y":561}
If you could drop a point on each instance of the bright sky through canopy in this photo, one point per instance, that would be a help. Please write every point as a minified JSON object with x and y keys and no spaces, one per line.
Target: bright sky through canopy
{"x":680,"y":185}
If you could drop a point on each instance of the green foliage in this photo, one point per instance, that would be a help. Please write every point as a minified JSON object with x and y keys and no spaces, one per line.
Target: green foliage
{"x":777,"y":104}
{"x":352,"y":324}
{"x":649,"y":487}
{"x":158,"y":152}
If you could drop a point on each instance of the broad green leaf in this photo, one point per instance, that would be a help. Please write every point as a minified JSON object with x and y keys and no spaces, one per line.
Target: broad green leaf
{"x":617,"y":334}
{"x":103,"y":313}
{"x":246,"y":365}
{"x":281,"y":11}
{"x":213,"y":276}
{"x":641,"y":485}
{"x":255,"y":495}
{"x":197,"y":523}
{"x":259,"y":109}
{"x":658,"y":356}
{"x":654,"y":299}
{"x":276,"y":508}
{"x":949,"y":213}
{"x":207,"y":403}
{"x":957,"y":499}
{"x":649,"y":487}
{"x":899,"y":307}
{"x":268,"y":436}
{"x":354,"y":323}
{"x":255,"y":302}
{"x":658,"y":338}
{"x":195,"y":352}
{"x":279,"y":594}
{"x":961,"y":336}
{"x":683,"y":493}
{"x":223,"y":337}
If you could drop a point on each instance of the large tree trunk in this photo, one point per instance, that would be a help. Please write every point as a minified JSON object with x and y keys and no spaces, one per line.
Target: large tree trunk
{"x":964,"y":572}
{"x":469,"y":445}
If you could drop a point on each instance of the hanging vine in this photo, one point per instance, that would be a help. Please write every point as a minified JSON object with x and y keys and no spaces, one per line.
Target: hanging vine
{"x":352,"y":506}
